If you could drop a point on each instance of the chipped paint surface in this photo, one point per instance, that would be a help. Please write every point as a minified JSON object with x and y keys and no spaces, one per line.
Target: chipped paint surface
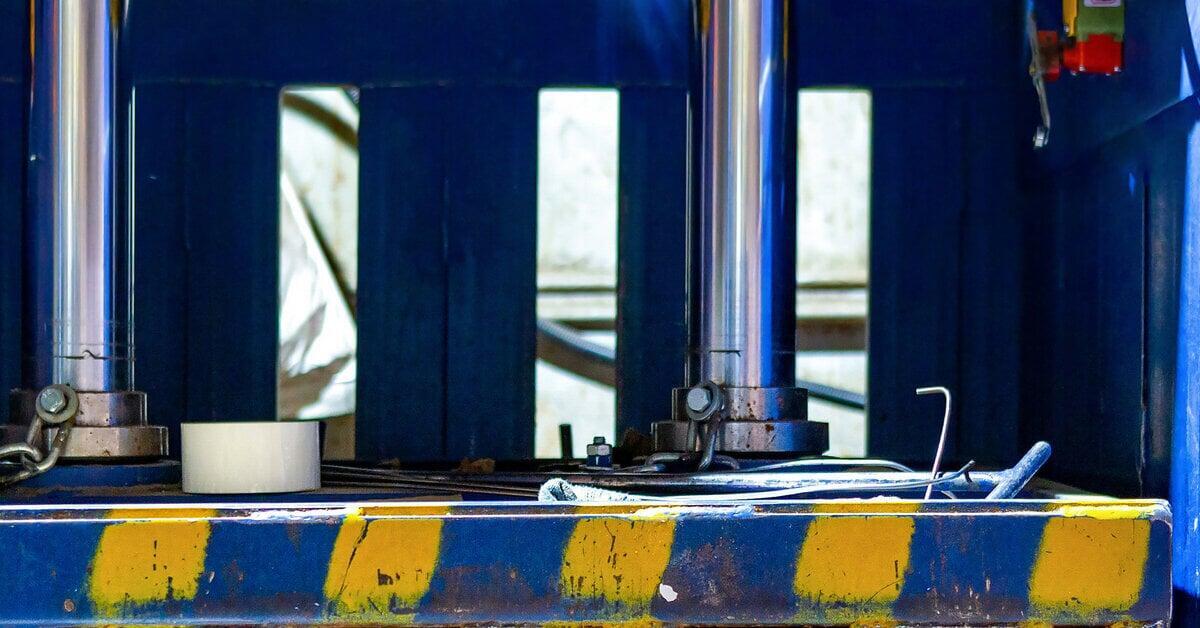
{"x":853,"y":567}
{"x":380,"y":568}
{"x":1110,"y":511}
{"x":618,"y":561}
{"x":149,"y":556}
{"x":1088,"y":565}
{"x":844,"y":562}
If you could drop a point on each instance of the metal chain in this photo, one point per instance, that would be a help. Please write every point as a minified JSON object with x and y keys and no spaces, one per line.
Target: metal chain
{"x":56,"y":407}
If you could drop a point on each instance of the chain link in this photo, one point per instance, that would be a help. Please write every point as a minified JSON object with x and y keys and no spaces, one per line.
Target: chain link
{"x":27,"y":459}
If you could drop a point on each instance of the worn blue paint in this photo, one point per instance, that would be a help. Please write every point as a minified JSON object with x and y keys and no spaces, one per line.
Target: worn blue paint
{"x":1185,"y":469}
{"x":735,"y":543}
{"x":469,"y":562}
{"x":267,"y":575}
{"x":935,"y":568}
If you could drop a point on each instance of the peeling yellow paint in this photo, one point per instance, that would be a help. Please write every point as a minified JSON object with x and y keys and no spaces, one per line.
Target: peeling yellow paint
{"x":381,"y":568}
{"x":1110,"y":511}
{"x":149,"y":556}
{"x":618,"y":560}
{"x":1086,"y":565}
{"x":874,"y":623}
{"x":854,"y":566}
{"x":867,"y":506}
{"x":628,"y":623}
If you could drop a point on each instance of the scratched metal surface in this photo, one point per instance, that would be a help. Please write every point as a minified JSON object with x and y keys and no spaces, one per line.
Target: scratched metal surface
{"x":827,"y":563}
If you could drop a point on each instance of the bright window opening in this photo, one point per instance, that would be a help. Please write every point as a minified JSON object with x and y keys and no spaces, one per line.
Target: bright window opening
{"x":834,"y":196}
{"x":318,"y":260}
{"x":577,"y":259}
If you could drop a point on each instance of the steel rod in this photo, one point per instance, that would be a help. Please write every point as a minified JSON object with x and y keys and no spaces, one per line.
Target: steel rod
{"x":747,"y":258}
{"x":78,"y":236}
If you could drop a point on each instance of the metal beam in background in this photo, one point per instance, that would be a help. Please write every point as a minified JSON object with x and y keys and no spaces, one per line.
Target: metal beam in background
{"x":812,"y":563}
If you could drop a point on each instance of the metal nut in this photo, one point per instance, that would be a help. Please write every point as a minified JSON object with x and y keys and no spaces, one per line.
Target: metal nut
{"x":698,"y":399}
{"x":52,"y":400}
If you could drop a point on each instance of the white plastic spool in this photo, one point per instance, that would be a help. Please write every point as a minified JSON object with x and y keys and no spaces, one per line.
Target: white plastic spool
{"x":231,"y":457}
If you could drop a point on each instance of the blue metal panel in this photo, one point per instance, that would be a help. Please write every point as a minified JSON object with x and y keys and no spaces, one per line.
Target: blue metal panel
{"x":596,"y":42}
{"x":991,"y":295}
{"x":14,"y":99}
{"x":652,"y":251}
{"x":161,"y":298}
{"x":916,"y":218}
{"x":530,"y":42}
{"x":14,"y":43}
{"x":1113,"y":212}
{"x":12,"y":185}
{"x":401,"y":306}
{"x":491,"y":249}
{"x":1185,"y":467}
{"x":231,"y":200}
{"x":1083,"y":356}
{"x":918,"y":43}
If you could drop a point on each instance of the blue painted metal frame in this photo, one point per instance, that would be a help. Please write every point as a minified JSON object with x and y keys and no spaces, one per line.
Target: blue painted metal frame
{"x":205,"y":297}
{"x":352,"y":561}
{"x":1050,"y":293}
{"x":1111,"y":330}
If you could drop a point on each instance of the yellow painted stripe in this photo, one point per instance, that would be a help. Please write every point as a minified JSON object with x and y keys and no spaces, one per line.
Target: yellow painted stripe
{"x":149,"y":556}
{"x":381,"y":568}
{"x":1086,"y":565}
{"x":1070,"y":12}
{"x":1113,"y":510}
{"x":853,"y":566}
{"x":619,"y":561}
{"x":628,"y":623}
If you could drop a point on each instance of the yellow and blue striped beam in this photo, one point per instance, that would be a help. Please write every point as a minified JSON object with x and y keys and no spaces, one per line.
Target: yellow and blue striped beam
{"x":824,"y":563}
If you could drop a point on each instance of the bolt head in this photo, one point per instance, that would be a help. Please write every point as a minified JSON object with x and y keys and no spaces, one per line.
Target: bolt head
{"x":698,"y":399}
{"x":52,"y":400}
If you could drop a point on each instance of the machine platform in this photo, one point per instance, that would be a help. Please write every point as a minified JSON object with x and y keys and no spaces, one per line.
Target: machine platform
{"x":152,"y":555}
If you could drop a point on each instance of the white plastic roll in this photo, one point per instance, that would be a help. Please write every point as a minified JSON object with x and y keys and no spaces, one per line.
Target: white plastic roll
{"x":251,"y":457}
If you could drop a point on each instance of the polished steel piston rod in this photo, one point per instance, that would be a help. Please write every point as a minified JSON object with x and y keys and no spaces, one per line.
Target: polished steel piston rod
{"x":743,"y":261}
{"x":746,"y":257}
{"x":78,"y":281}
{"x":78,"y":266}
